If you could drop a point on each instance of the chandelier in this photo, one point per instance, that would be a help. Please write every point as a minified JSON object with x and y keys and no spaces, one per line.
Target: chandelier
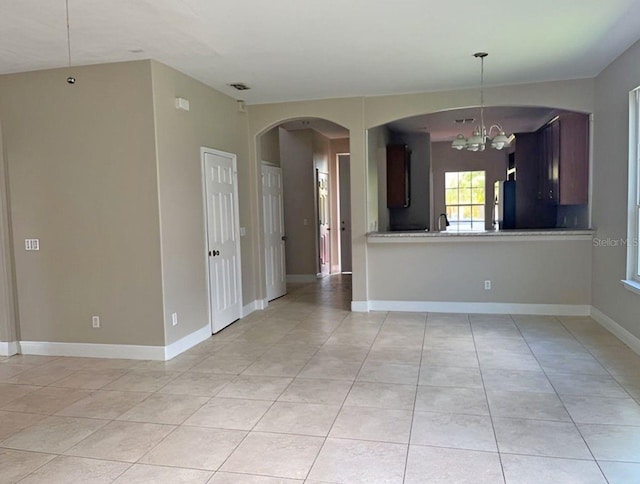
{"x":481,"y":135}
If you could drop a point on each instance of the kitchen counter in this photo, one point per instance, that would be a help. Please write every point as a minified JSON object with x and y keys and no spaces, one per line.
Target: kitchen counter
{"x":420,"y":236}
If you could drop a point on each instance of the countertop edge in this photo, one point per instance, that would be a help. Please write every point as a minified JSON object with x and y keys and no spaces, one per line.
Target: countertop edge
{"x":503,"y":235}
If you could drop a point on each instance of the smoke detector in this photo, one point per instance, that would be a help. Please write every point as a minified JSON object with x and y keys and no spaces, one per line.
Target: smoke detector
{"x":240,"y":86}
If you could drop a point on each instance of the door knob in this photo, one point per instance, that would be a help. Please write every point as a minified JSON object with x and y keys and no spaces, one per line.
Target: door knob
{"x":284,"y":237}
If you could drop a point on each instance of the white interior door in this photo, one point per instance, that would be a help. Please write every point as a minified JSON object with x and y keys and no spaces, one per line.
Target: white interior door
{"x":274,"y":237}
{"x":223,"y":238}
{"x":344,"y":179}
{"x":324,"y":245}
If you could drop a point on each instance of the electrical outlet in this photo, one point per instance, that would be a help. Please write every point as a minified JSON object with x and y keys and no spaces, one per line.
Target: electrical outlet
{"x":487,"y":285}
{"x":95,"y":322}
{"x":31,"y":244}
{"x":174,"y":319}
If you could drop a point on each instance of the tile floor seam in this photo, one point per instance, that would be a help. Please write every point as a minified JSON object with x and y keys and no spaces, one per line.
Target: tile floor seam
{"x":265,"y":413}
{"x":415,"y":398}
{"x":39,"y":467}
{"x":353,"y":382}
{"x":486,"y":398}
{"x":561,"y":400}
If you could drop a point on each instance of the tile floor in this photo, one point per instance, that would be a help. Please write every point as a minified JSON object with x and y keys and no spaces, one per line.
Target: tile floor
{"x":308,"y":392}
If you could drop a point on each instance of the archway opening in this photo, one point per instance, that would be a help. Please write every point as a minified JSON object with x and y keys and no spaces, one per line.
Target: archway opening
{"x":540,"y":181}
{"x":305,"y":199}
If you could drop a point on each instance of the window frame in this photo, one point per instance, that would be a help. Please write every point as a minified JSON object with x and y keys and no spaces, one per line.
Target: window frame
{"x":633,"y":226}
{"x":483,"y":205}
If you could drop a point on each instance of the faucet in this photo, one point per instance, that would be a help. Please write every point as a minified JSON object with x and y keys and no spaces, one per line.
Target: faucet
{"x":446,"y":221}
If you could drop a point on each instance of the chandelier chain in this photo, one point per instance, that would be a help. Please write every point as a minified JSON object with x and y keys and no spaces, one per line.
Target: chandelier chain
{"x":482,"y":128}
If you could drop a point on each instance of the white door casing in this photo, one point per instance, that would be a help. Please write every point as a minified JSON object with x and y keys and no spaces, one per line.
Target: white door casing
{"x":324,"y":243}
{"x":222,"y":237}
{"x":344,"y":180}
{"x":274,"y":236}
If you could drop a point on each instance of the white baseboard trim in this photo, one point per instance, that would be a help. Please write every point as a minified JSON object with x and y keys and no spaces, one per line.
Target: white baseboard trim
{"x":478,"y":307}
{"x":92,"y":350}
{"x":622,"y":334}
{"x":256,"y":305}
{"x":187,"y":342}
{"x":360,"y":306}
{"x":9,"y":348}
{"x":129,"y":352}
{"x":294,"y":278}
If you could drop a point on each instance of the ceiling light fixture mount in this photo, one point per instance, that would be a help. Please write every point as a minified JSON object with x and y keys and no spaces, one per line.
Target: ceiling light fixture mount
{"x":70,"y":80}
{"x":240,"y":86}
{"x":481,"y":135}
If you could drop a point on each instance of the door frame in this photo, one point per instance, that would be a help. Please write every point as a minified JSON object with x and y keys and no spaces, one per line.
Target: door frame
{"x":319,"y":273}
{"x":340,"y":217}
{"x":236,"y":212}
{"x":264,"y":239}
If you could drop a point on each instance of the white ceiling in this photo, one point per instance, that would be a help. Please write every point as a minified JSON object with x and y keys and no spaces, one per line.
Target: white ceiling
{"x":295,"y":49}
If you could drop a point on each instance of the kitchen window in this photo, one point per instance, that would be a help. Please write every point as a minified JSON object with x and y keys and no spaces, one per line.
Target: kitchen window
{"x":465,"y":200}
{"x":633,"y":234}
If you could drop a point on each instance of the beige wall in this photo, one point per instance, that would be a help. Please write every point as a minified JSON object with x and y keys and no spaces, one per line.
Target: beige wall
{"x":336,"y":147}
{"x":213,"y":121}
{"x":85,"y":180}
{"x":417,"y":215}
{"x":359,"y":114}
{"x":377,"y":212}
{"x":444,"y":158}
{"x":270,"y":146}
{"x":610,"y":180}
{"x":347,"y":112}
{"x":573,"y":95}
{"x":8,"y":327}
{"x":82,"y":176}
{"x":298,"y":175}
{"x":544,"y":272}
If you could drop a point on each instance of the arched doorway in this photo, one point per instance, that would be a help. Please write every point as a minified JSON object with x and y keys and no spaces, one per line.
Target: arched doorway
{"x":304,"y":223}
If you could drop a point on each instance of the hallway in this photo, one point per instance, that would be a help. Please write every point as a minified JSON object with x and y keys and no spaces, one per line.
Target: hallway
{"x":307,"y":391}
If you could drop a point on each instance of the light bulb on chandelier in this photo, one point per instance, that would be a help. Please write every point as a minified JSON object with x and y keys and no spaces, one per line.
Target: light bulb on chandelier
{"x":481,"y":135}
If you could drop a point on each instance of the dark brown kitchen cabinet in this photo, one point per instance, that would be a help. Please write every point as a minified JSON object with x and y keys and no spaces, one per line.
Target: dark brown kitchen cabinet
{"x":398,"y":176}
{"x":573,"y":179}
{"x":564,"y":178}
{"x":550,"y":162}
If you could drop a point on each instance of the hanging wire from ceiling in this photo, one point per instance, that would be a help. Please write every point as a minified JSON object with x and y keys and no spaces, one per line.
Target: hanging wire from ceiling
{"x":70,"y":79}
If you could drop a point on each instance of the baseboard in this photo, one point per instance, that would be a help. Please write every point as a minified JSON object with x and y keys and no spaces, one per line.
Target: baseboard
{"x":9,"y":348}
{"x":93,"y":350}
{"x":477,"y":307}
{"x":295,"y":278}
{"x":622,"y":334}
{"x":187,"y":342}
{"x":129,"y":352}
{"x":360,"y":306}
{"x":256,"y":305}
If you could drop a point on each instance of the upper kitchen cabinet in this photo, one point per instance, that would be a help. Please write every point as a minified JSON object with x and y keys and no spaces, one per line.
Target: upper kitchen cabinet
{"x":564,"y":176}
{"x":398,"y":176}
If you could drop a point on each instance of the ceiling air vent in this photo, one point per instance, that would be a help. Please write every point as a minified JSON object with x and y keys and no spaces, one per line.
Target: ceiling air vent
{"x":465,"y":120}
{"x":240,"y":86}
